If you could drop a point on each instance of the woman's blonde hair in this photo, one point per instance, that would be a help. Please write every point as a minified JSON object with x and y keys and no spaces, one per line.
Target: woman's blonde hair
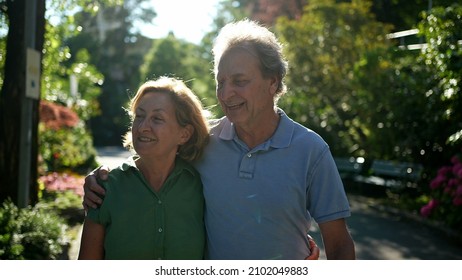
{"x":188,"y":111}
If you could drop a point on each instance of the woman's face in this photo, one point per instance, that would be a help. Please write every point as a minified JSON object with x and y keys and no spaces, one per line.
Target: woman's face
{"x":155,"y":129}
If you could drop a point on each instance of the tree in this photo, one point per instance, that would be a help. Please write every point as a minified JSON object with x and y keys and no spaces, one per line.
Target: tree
{"x":61,"y":69}
{"x":404,"y":14}
{"x":442,"y":30}
{"x":416,"y":115}
{"x":323,"y":48}
{"x":368,"y":97}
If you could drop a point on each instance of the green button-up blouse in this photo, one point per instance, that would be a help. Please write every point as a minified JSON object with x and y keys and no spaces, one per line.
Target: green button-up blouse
{"x":143,"y":224}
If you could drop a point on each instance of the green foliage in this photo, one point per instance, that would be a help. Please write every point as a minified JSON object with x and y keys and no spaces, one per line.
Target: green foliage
{"x":168,"y":56}
{"x":30,"y":233}
{"x":443,"y":32}
{"x":60,"y":200}
{"x":58,"y":70}
{"x":416,"y":115}
{"x":2,"y":57}
{"x":403,"y":14}
{"x":89,"y":81}
{"x":367,"y":97}
{"x":323,"y":48}
{"x":393,"y":82}
{"x":67,"y":148}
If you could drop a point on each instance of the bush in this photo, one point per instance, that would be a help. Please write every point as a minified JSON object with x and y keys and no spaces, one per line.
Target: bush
{"x":67,"y":148}
{"x":62,"y":192}
{"x":30,"y":233}
{"x":445,"y":200}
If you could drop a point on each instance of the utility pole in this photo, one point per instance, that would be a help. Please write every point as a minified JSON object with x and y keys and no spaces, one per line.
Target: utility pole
{"x":32,"y":91}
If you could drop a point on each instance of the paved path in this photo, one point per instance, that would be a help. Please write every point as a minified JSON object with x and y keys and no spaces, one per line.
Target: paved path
{"x":112,"y":156}
{"x":379,"y":234}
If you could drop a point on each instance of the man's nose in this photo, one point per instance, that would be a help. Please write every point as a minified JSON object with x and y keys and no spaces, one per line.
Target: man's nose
{"x":225,"y":91}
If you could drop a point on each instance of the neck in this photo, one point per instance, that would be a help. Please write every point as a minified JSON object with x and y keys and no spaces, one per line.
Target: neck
{"x":155,"y":172}
{"x":258,"y":132}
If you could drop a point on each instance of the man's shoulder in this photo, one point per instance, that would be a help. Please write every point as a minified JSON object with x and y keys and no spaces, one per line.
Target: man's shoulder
{"x":305,"y":136}
{"x":217,"y":124}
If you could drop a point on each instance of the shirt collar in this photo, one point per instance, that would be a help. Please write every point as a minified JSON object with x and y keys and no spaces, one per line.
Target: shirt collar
{"x":280,"y":139}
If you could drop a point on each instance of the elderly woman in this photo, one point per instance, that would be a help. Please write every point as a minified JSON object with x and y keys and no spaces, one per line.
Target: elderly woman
{"x":154,"y":205}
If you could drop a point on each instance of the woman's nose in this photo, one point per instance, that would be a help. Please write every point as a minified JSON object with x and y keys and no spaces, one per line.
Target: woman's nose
{"x":144,"y":125}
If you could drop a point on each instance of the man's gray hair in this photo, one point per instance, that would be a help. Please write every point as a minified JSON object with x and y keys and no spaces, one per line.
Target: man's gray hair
{"x":260,"y":41}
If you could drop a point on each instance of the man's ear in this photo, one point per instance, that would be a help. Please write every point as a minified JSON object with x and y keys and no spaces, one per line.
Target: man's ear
{"x":186,"y":134}
{"x":274,"y":83}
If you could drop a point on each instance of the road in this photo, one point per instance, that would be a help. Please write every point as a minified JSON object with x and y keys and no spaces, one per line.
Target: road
{"x":379,"y":233}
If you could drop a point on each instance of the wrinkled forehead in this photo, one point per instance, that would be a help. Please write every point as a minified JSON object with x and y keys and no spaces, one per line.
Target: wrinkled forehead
{"x":239,"y":58}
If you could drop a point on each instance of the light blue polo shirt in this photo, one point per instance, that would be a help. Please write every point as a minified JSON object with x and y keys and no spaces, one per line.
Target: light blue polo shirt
{"x":259,"y":202}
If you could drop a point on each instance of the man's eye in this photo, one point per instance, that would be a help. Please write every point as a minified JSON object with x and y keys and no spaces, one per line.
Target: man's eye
{"x":240,"y":82}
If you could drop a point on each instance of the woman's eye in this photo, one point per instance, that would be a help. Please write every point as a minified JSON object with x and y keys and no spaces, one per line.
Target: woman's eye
{"x":241,"y":82}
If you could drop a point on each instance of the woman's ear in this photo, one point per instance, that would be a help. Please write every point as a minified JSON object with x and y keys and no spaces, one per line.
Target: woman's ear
{"x":186,"y":134}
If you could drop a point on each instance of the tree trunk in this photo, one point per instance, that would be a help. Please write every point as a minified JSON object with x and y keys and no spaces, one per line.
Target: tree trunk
{"x":11,"y":98}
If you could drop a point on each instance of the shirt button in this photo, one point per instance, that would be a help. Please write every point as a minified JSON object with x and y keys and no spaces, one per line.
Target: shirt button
{"x":160,"y":229}
{"x":249,"y":155}
{"x":159,"y":202}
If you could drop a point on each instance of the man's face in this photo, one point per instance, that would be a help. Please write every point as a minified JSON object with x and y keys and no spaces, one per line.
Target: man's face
{"x":244,"y":95}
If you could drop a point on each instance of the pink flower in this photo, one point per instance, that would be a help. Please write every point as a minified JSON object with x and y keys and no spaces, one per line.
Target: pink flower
{"x":62,"y":182}
{"x":438,"y":181}
{"x":459,"y":191}
{"x":452,"y":183}
{"x":457,"y":168}
{"x":457,"y":201}
{"x":425,"y":211}
{"x":443,"y":171}
{"x":433,"y":203}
